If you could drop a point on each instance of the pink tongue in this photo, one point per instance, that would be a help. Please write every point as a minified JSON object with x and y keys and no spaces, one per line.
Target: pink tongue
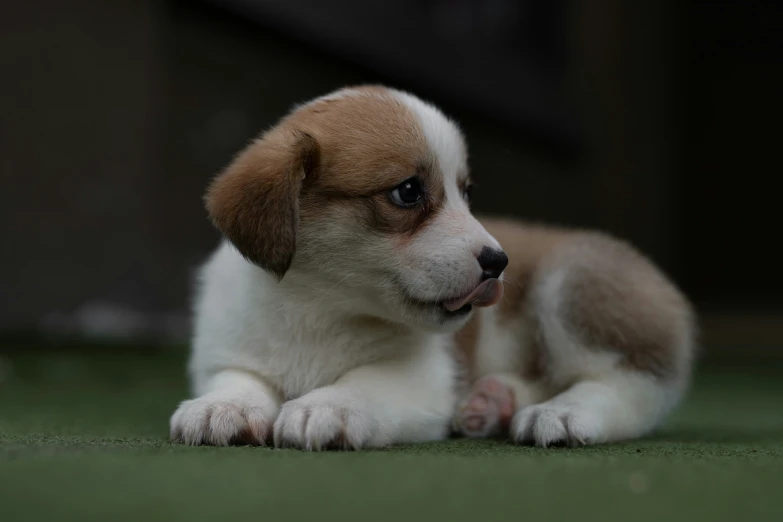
{"x":486,"y":294}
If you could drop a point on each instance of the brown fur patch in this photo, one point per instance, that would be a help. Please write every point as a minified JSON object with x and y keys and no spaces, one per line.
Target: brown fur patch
{"x":612,"y":298}
{"x":354,"y":148}
{"x":254,"y":202}
{"x":525,"y":246}
{"x":371,"y":143}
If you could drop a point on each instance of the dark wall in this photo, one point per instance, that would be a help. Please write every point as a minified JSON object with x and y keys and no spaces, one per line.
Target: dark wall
{"x":730,"y":203}
{"x":653,"y":120}
{"x":80,"y":105}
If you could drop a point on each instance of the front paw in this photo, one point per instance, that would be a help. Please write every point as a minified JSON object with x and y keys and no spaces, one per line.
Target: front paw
{"x":324,"y":419}
{"x":220,"y":422}
{"x":550,"y":424}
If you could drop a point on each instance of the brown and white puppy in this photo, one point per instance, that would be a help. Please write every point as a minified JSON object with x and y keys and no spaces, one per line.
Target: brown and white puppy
{"x":325,"y":318}
{"x":351,"y":268}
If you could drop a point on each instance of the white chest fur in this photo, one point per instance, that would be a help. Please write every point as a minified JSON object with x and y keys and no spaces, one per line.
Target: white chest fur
{"x":295,"y":343}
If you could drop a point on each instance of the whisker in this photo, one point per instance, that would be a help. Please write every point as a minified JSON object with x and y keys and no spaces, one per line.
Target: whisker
{"x":332,"y":288}
{"x":512,"y":282}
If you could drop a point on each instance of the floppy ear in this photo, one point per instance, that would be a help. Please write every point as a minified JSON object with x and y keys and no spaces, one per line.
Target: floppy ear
{"x":255,"y":201}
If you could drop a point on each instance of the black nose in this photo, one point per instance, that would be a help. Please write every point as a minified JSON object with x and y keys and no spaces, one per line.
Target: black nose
{"x":492,"y":263}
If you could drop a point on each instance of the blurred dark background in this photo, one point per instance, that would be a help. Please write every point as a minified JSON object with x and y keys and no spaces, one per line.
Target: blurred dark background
{"x":656,"y":120}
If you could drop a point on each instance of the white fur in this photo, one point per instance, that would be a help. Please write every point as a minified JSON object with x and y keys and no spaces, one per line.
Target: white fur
{"x":443,"y":137}
{"x":355,"y":352}
{"x":260,"y":344}
{"x":587,"y":396}
{"x":618,"y":406}
{"x":334,"y":354}
{"x":455,"y":237}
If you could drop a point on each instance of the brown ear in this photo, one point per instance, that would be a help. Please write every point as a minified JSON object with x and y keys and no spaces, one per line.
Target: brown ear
{"x":255,"y":201}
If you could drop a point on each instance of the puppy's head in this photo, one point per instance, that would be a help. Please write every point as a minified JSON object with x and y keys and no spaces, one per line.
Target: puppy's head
{"x":365,"y":189}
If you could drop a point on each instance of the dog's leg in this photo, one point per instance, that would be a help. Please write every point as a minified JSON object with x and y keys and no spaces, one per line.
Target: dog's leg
{"x":617,"y":340}
{"x":237,"y":408}
{"x":619,"y":406}
{"x":398,"y":401}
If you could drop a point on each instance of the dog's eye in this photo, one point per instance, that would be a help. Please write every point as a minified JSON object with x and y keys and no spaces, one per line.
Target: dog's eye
{"x":407,"y":193}
{"x":468,"y":193}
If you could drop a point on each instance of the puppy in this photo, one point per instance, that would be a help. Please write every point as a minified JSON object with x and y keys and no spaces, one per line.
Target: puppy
{"x":339,"y":311}
{"x":326,"y":318}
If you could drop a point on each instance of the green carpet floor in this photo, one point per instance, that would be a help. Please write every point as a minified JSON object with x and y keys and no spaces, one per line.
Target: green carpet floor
{"x":83,"y":437}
